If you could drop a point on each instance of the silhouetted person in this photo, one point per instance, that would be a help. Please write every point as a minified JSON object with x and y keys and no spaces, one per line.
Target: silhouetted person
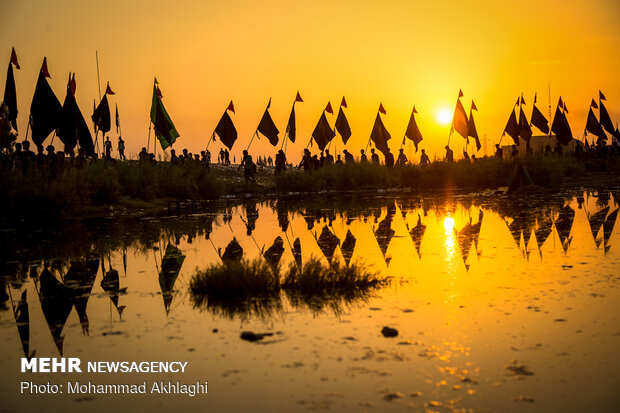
{"x":174,"y":159}
{"x":227,"y":157}
{"x":374,"y":158}
{"x":121,"y":148}
{"x":515,"y":152}
{"x":108,"y":148}
{"x":389,"y":159}
{"x":499,"y":152}
{"x":348,"y":157}
{"x":306,"y":161}
{"x":424,"y":158}
{"x":339,"y":161}
{"x":280,"y":162}
{"x":363,"y":157}
{"x":402,"y":159}
{"x":249,"y":167}
{"x":316,"y":162}
{"x":449,"y":154}
{"x":143,"y":155}
{"x":329,"y":159}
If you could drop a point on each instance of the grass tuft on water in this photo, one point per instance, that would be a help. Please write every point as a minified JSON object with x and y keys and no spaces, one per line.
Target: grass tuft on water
{"x":246,"y":288}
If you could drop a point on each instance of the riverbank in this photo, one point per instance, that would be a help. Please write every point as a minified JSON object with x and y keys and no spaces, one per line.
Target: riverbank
{"x":138,"y":187}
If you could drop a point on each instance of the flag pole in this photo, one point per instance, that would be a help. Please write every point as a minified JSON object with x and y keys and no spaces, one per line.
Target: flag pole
{"x":251,"y":140}
{"x":98,"y":80}
{"x":211,"y":138}
{"x":148,"y":141}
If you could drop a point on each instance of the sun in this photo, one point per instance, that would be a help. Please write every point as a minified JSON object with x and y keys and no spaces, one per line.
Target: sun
{"x":444,"y":116}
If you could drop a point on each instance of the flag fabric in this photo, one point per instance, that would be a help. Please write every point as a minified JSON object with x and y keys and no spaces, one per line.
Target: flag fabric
{"x":118,"y":120}
{"x":594,"y":127}
{"x":45,"y":110}
{"x":342,"y":124}
{"x":10,"y":96}
{"x":101,"y":115}
{"x":226,"y":130}
{"x":525,"y":132}
{"x":459,"y":120}
{"x":162,"y":124}
{"x":522,"y":100}
{"x":344,"y":102}
{"x":380,"y":135}
{"x":291,"y":127}
{"x":328,"y":108}
{"x":461,"y":93}
{"x":561,"y":128}
{"x":381,"y":108}
{"x":560,"y":103}
{"x":73,"y":128}
{"x":298,"y":98}
{"x":600,"y":94}
{"x":72,"y":84}
{"x":231,"y":107}
{"x":323,"y":133}
{"x":593,"y":104}
{"x":539,"y":120}
{"x":44,"y":70}
{"x":605,"y":119}
{"x":269,"y":103}
{"x":268,"y":128}
{"x":108,"y":90}
{"x":512,"y":127}
{"x":471,"y":126}
{"x":413,"y":132}
{"x":14,"y":58}
{"x":535,"y":94}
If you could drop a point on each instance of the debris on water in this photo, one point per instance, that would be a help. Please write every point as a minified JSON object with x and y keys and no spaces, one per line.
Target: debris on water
{"x":295,"y":365}
{"x":515,"y":369}
{"x":567,"y":267}
{"x":559,"y":320}
{"x":375,"y":309}
{"x":468,"y":380}
{"x":215,"y":330}
{"x":405,"y":343}
{"x":191,"y":349}
{"x":407,"y":310}
{"x":523,"y":399}
{"x":416,"y":394}
{"x":113,"y":333}
{"x":389,"y":332}
{"x":252,"y":337}
{"x":393,"y":395}
{"x":349,"y":338}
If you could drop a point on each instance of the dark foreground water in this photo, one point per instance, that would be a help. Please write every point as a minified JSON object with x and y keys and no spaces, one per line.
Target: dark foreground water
{"x":501,"y":304}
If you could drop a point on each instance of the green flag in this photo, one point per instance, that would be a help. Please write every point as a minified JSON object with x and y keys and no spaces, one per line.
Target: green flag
{"x":162,"y":124}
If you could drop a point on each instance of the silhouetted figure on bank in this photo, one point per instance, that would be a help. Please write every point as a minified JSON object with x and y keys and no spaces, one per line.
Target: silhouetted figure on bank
{"x":329,"y":159}
{"x":499,"y":152}
{"x":249,"y":167}
{"x":389,"y":159}
{"x":321,"y":160}
{"x":280,"y":162}
{"x":27,"y":157}
{"x":374,"y":158}
{"x":363,"y":157}
{"x":515,"y":152}
{"x":316,"y":162}
{"x":227,"y":157}
{"x":348,"y":157}
{"x":174,"y":159}
{"x":121,"y":149}
{"x":402,"y":159}
{"x":424,"y":158}
{"x":339,"y":161}
{"x":449,"y":154}
{"x":306,"y":161}
{"x":108,"y":148}
{"x":143,"y":155}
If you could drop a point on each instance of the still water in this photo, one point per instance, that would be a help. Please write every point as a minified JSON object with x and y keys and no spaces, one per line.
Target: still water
{"x":501,"y":304}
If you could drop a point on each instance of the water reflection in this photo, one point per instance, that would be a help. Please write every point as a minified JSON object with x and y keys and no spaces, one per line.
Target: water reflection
{"x":400,"y":236}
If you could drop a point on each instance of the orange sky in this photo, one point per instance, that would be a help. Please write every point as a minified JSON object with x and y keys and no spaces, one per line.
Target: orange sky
{"x":397,"y":52}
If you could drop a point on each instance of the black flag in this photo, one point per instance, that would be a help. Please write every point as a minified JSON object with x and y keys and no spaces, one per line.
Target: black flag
{"x":561,"y":128}
{"x":525,"y":132}
{"x":605,"y":119}
{"x":290,"y":126}
{"x":45,"y":111}
{"x":101,"y":116}
{"x":342,"y":126}
{"x":323,"y":133}
{"x":512,"y":127}
{"x":268,"y":128}
{"x":594,"y":127}
{"x":380,"y":135}
{"x":10,"y":96}
{"x":413,"y":132}
{"x":539,"y":120}
{"x":226,"y":130}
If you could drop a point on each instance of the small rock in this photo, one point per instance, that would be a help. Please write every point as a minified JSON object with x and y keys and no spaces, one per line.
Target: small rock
{"x":393,"y":395}
{"x":253,"y":337}
{"x":389,"y":332}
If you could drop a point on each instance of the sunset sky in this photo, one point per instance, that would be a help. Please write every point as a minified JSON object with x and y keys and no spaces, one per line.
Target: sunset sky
{"x":400,"y":53}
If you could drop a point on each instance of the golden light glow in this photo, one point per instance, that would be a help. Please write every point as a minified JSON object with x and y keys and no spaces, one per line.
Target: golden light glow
{"x":444,"y":116}
{"x":448,"y":224}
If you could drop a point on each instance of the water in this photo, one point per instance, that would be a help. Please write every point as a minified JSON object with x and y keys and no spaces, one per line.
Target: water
{"x":500,"y":305}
